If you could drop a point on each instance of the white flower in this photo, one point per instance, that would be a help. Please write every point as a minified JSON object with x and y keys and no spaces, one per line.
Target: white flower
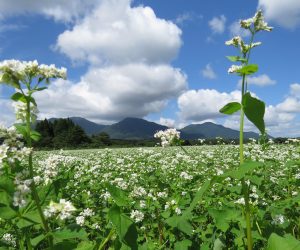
{"x":278,"y":219}
{"x":9,"y":239}
{"x":63,"y":210}
{"x":235,"y":41}
{"x":177,"y":210}
{"x":234,"y":68}
{"x":80,"y":220}
{"x":167,"y":136}
{"x":186,"y":176}
{"x":136,"y":215}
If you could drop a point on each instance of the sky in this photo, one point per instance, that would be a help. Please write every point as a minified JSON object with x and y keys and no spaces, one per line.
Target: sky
{"x":164,"y":61}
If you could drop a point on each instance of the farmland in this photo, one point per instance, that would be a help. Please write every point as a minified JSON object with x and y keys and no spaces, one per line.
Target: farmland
{"x":156,"y":186}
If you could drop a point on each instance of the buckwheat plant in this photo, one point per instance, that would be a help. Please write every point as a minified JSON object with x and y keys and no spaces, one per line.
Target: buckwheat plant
{"x":17,"y":179}
{"x":253,"y":108}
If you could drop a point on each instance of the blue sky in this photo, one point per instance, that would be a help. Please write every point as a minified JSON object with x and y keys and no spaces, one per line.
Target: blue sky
{"x":161,"y":60}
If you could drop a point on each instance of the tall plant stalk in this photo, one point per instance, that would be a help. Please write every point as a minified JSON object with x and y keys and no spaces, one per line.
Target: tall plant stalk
{"x":251,"y":107}
{"x":34,"y":192}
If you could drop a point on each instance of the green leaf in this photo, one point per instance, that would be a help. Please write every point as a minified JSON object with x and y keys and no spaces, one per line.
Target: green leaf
{"x":236,"y":59}
{"x":219,"y":245}
{"x":183,"y":245}
{"x":7,"y":185}
{"x":248,"y":69}
{"x":254,"y":110}
{"x":180,"y":222}
{"x":7,"y":213}
{"x":85,"y":245}
{"x":18,"y":97}
{"x":118,"y":195}
{"x":36,"y":136}
{"x":225,"y":216}
{"x":197,"y":198}
{"x":35,"y":241}
{"x":124,"y":226}
{"x":70,"y":232}
{"x":246,"y":167}
{"x":277,"y":242}
{"x":231,"y":108}
{"x":22,"y":129}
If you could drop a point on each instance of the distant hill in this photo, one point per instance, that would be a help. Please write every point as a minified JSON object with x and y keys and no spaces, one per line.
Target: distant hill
{"x":137,"y":129}
{"x":133,"y":129}
{"x":212,"y":130}
{"x":89,"y":127}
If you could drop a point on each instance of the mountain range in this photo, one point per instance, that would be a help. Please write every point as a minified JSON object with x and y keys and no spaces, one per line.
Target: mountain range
{"x":137,"y":129}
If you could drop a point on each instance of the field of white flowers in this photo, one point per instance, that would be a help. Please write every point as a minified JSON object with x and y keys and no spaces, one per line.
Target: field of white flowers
{"x":156,"y":185}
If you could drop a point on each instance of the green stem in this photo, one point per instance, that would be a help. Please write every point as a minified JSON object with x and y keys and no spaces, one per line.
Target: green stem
{"x":244,"y":185}
{"x":106,"y":240}
{"x":34,"y":192}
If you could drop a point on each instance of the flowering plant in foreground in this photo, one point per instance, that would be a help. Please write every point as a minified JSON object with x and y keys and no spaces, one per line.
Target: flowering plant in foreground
{"x":168,"y":137}
{"x":22,"y":205}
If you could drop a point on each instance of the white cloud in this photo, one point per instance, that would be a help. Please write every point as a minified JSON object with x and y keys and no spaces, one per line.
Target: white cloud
{"x":280,"y":119}
{"x":285,"y":13}
{"x":167,"y":122}
{"x":204,"y":103}
{"x":117,"y":33}
{"x":7,"y":112}
{"x":60,"y":10}
{"x":217,"y":24}
{"x":184,"y":17}
{"x":236,"y":30}
{"x":208,"y":72}
{"x":295,"y":90}
{"x":261,"y":80}
{"x":113,"y":93}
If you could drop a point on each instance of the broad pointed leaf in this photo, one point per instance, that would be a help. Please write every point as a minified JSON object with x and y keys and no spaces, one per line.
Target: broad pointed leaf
{"x":254,"y":110}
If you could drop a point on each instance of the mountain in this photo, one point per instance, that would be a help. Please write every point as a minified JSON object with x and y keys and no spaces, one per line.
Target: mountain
{"x":89,"y":127}
{"x":133,"y":129}
{"x":137,"y":129}
{"x":212,"y":130}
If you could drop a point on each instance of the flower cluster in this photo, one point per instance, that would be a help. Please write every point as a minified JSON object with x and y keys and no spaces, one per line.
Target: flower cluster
{"x":49,"y":168}
{"x":22,"y":189}
{"x":9,"y":239}
{"x":21,"y":110}
{"x":12,"y":149}
{"x":19,"y":70}
{"x":254,"y":25}
{"x":136,"y":215}
{"x":83,"y":215}
{"x":63,"y":210}
{"x":167,"y":136}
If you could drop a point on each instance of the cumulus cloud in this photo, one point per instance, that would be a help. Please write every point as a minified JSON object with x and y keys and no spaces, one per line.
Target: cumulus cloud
{"x":217,"y":24}
{"x":280,"y":119}
{"x":128,"y":50}
{"x":60,"y":10}
{"x":113,"y":93}
{"x":117,"y":33}
{"x":261,"y":80}
{"x":295,"y":90}
{"x":204,"y":103}
{"x":167,"y":122}
{"x":208,"y":72}
{"x":285,"y":13}
{"x":7,"y":116}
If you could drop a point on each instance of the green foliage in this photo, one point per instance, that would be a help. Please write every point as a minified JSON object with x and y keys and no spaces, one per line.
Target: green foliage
{"x":248,"y":69}
{"x":254,"y":110}
{"x":124,"y":226}
{"x":277,"y":242}
{"x":231,"y":108}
